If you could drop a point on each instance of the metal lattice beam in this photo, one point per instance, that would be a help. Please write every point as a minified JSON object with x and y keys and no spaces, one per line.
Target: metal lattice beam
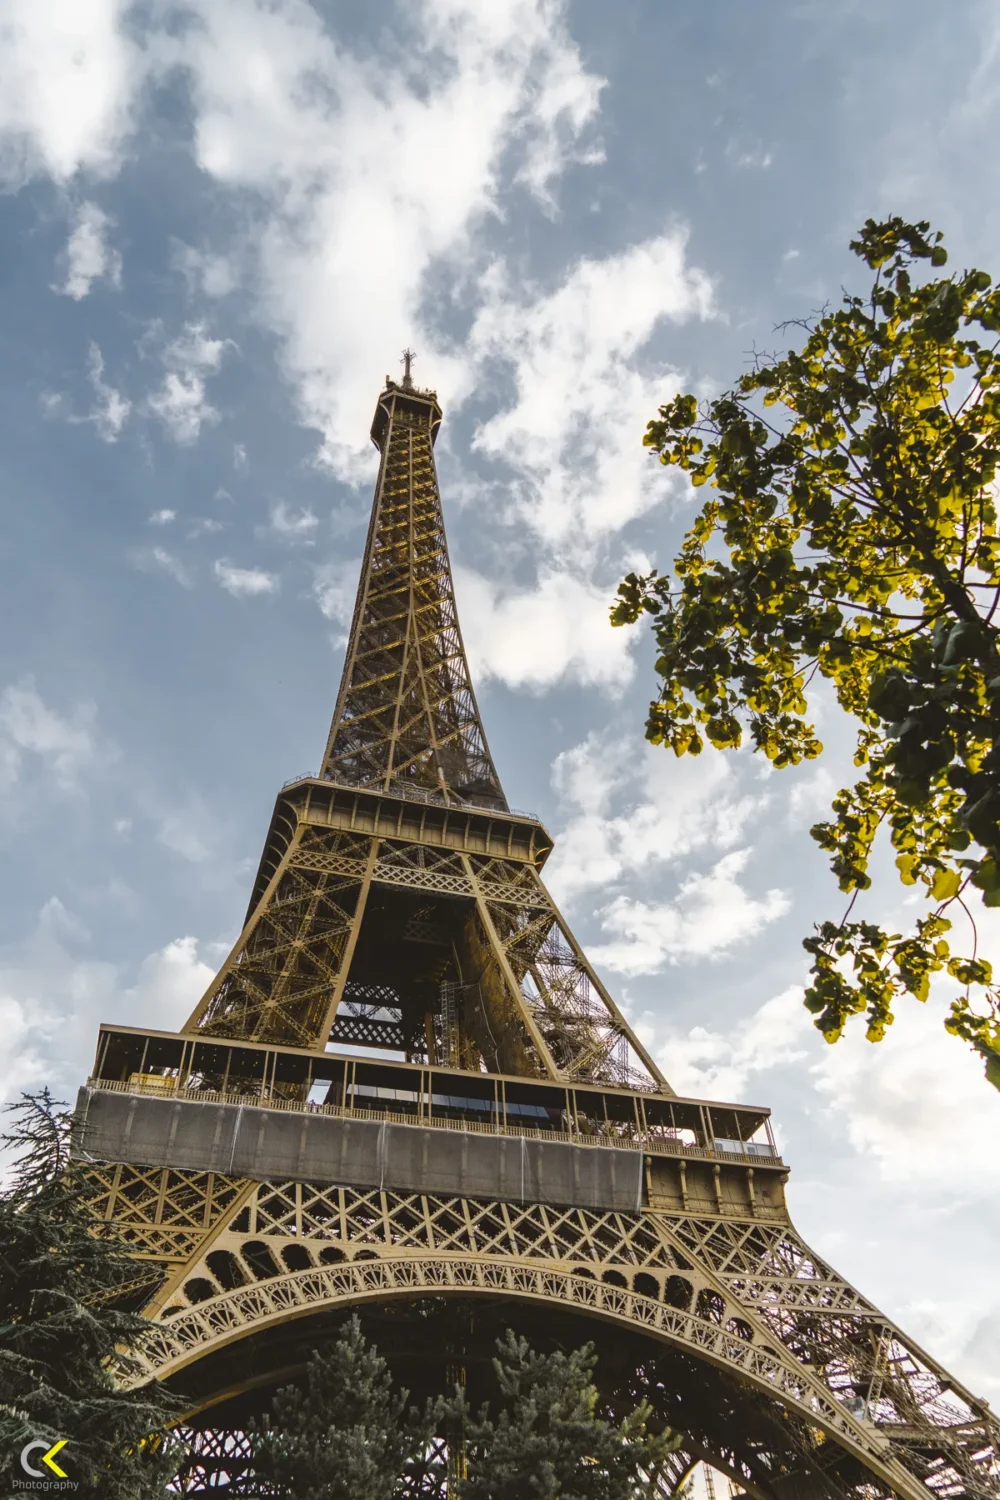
{"x":406,"y":715}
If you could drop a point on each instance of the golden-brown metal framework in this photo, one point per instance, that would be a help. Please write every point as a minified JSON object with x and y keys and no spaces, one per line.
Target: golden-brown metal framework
{"x":408,"y":815}
{"x":406,"y":715}
{"x":735,"y":1287}
{"x":399,"y":907}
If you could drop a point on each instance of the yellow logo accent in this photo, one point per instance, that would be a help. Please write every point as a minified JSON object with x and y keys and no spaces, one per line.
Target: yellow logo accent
{"x":49,"y":1459}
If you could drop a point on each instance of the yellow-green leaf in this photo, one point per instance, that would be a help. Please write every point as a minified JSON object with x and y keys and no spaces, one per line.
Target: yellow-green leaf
{"x":946,"y":884}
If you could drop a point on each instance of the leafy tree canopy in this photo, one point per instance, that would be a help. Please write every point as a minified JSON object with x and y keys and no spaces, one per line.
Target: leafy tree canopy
{"x":65,"y":1325}
{"x":851,"y":532}
{"x":549,"y":1442}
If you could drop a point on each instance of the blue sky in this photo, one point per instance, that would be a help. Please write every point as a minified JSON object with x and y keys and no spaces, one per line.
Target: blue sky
{"x":221,"y":222}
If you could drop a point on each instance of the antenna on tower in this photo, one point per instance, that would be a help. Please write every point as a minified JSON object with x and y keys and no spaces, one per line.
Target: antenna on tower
{"x":407,"y":362}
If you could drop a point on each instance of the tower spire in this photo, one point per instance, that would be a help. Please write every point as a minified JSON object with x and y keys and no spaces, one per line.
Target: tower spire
{"x":406,"y":718}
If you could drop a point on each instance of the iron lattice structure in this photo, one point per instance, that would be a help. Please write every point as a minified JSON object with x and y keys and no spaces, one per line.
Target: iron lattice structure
{"x":407,"y":1093}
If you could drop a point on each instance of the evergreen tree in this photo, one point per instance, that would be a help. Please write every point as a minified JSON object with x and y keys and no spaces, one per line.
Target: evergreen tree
{"x":345,"y":1434}
{"x":548,"y":1441}
{"x":65,"y":1328}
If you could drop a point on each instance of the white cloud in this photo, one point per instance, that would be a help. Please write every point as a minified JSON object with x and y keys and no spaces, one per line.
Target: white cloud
{"x":633,"y":807}
{"x":162,"y":517}
{"x":28,"y":727}
{"x":293,"y":525}
{"x":170,"y":983}
{"x":111,"y":409}
{"x":914,"y":1107}
{"x":352,"y":213}
{"x":711,"y":914}
{"x":89,"y":257}
{"x":812,"y":793}
{"x":158,"y":559}
{"x":181,"y":402}
{"x":346,"y":161}
{"x":335,"y":586}
{"x":181,"y":406}
{"x":68,"y":77}
{"x":573,"y":433}
{"x":213,"y":275}
{"x":25,"y":1063}
{"x":54,"y":992}
{"x":713,"y":1064}
{"x":244,"y":581}
{"x":915,"y":1103}
{"x":531,"y":638}
{"x":355,"y":211}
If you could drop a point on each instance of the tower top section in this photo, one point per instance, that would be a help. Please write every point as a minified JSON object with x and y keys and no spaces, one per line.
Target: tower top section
{"x":416,"y":408}
{"x":406,"y":719}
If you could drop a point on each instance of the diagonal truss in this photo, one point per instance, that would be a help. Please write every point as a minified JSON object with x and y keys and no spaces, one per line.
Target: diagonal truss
{"x":841,"y":1382}
{"x":478,"y":931}
{"x":406,"y":716}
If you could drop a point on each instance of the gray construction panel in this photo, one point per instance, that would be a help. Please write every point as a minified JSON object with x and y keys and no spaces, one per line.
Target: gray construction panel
{"x":270,"y":1144}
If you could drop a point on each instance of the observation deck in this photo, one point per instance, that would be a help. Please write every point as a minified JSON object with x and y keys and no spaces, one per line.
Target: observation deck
{"x":158,"y":1098}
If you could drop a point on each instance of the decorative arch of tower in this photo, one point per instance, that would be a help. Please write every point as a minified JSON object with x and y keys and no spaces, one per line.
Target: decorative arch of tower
{"x":407,"y":1093}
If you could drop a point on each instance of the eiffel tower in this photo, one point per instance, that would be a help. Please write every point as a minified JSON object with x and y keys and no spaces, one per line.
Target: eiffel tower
{"x":407,"y":1094}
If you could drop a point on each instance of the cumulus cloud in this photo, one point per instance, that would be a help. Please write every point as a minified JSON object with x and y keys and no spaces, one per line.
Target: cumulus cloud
{"x":916,"y":1104}
{"x":162,"y":517}
{"x":170,"y":983}
{"x":69,"y":74}
{"x":293,"y":525}
{"x":241,"y":582}
{"x":913,"y":1107}
{"x":711,"y":914}
{"x":633,"y":808}
{"x":89,"y":257}
{"x":335,"y":586}
{"x":355,"y":206}
{"x":353,"y":215}
{"x":181,"y":402}
{"x":532,"y":637}
{"x":54,"y":992}
{"x":713,"y":1064}
{"x":571,"y":435}
{"x":61,"y":744}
